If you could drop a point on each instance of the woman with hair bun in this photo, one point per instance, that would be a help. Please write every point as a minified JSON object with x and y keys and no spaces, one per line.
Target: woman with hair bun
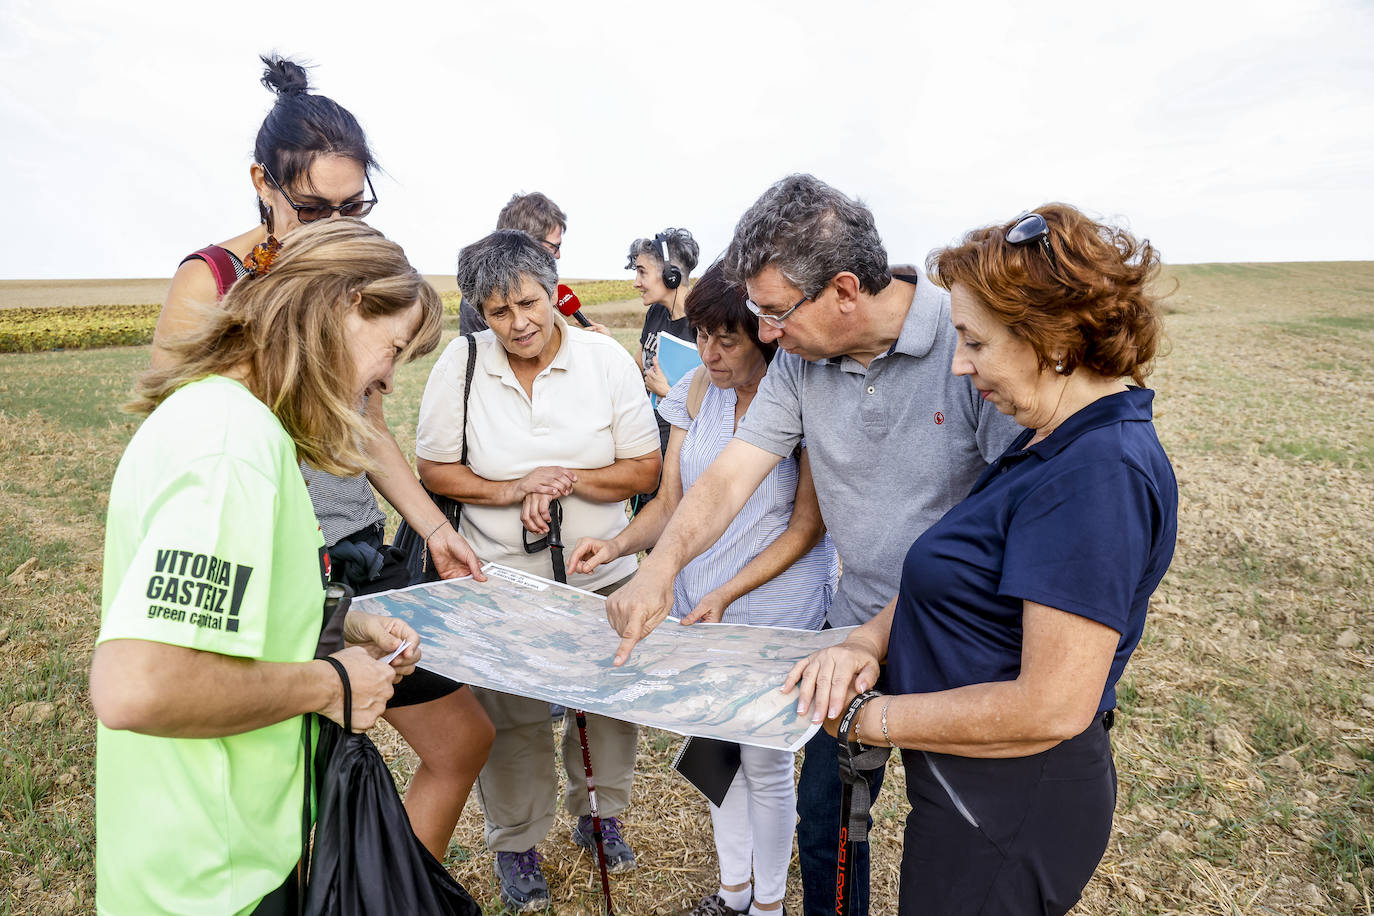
{"x":311,"y":164}
{"x":1019,"y":609}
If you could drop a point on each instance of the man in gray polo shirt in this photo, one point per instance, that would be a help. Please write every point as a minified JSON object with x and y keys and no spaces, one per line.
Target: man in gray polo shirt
{"x":894,"y":440}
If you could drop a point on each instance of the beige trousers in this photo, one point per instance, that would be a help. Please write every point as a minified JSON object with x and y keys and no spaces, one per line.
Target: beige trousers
{"x":517,"y":787}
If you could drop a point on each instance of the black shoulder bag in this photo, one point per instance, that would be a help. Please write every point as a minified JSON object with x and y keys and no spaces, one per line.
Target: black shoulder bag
{"x":410,"y":541}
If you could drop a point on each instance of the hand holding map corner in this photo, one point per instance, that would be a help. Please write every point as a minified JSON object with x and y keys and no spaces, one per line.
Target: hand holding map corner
{"x":384,"y":635}
{"x":453,"y":556}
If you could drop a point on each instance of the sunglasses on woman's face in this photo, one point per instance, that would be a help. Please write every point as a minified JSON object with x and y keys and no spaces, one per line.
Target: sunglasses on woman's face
{"x":309,"y":214}
{"x":1030,"y":228}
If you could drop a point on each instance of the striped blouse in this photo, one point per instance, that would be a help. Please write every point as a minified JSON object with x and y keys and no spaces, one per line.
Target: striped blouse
{"x":799,"y":596}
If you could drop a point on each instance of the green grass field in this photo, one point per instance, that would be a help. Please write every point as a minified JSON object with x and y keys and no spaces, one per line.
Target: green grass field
{"x":1245,"y":744}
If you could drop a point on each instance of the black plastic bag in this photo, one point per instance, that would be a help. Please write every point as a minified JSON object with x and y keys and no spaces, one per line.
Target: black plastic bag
{"x":365,"y":858}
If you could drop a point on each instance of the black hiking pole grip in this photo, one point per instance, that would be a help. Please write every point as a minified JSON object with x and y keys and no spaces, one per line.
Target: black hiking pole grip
{"x":854,"y":761}
{"x":596,"y":811}
{"x":844,"y":885}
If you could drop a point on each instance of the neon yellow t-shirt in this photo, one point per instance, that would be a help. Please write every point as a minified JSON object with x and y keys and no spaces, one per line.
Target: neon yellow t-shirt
{"x":210,"y":543}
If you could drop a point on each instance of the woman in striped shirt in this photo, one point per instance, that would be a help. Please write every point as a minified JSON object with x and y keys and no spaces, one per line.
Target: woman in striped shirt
{"x":774,"y":566}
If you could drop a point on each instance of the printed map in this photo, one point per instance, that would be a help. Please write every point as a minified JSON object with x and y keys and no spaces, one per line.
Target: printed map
{"x":536,"y":638}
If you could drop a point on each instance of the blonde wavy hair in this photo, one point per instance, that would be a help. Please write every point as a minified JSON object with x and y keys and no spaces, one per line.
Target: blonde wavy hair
{"x":283,"y":334}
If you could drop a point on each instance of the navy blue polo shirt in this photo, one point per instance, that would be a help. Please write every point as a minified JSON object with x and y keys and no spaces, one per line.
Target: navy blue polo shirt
{"x":1083,"y":521}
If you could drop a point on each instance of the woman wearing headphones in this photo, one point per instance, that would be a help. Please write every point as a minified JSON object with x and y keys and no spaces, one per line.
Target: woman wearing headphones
{"x":663,"y":267}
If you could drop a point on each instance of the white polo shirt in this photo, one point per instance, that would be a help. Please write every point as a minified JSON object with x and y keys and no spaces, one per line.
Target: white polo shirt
{"x":588,"y":409}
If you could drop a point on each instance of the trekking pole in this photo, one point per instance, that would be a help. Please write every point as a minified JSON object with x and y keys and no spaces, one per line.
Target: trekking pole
{"x":855,"y":801}
{"x":844,"y":884}
{"x":554,"y":542}
{"x":596,"y":811}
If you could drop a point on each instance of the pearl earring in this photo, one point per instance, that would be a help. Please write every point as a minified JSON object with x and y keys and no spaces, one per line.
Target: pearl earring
{"x":1059,"y":366}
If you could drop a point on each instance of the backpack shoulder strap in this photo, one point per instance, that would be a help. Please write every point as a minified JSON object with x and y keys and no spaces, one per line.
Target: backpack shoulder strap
{"x":696,"y":391}
{"x":221,"y":264}
{"x":467,"y":391}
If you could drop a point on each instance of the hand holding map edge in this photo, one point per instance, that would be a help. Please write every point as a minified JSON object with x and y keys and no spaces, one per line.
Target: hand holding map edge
{"x":380,"y":635}
{"x":453,"y":555}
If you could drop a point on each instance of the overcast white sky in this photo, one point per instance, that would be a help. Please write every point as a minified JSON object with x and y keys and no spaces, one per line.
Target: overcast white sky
{"x":1223,"y":131}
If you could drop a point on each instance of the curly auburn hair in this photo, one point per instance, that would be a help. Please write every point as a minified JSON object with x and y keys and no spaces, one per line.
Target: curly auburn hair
{"x":1095,"y":303}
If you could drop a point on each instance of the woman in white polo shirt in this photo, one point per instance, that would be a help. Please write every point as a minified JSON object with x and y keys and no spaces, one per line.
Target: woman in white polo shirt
{"x":554,"y":413}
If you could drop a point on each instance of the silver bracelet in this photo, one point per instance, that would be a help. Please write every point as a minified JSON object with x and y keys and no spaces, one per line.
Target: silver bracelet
{"x":886,"y":736}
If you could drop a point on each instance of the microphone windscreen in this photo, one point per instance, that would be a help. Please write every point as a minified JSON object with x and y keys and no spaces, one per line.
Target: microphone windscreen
{"x":568,"y":303}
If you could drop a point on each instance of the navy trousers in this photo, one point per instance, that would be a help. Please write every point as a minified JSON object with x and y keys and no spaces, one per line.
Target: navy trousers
{"x":1021,"y":835}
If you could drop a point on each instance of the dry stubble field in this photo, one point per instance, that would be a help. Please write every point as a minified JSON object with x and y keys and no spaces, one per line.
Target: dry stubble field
{"x":1247,"y":728}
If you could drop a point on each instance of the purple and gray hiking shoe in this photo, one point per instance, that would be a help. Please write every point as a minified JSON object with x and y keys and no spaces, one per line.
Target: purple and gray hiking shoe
{"x":522,"y":881}
{"x":619,"y":855}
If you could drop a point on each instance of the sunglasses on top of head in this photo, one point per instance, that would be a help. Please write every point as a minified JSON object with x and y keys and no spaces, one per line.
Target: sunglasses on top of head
{"x":1030,"y":228}
{"x":309,"y":214}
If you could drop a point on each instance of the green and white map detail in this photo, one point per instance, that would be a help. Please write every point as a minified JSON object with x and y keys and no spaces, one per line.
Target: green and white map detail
{"x":529,"y":636}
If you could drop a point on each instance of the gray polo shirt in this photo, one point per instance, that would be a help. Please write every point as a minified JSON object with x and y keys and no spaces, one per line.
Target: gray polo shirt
{"x":892,"y":447}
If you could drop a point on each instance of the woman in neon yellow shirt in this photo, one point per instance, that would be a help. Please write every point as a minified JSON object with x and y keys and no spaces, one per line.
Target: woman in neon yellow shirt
{"x":214,"y":575}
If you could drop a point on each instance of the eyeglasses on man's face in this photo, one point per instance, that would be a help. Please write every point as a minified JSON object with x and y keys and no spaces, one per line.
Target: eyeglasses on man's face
{"x":553,"y":248}
{"x":309,"y":214}
{"x":774,"y":320}
{"x":1030,"y":228}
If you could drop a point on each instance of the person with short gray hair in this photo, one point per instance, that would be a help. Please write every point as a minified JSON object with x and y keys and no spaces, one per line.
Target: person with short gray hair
{"x":500,"y":262}
{"x":894,"y":439}
{"x":663,"y":268}
{"x":536,"y":214}
{"x":555,"y":413}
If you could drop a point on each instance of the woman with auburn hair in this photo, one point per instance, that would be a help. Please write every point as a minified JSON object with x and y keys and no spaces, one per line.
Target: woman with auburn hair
{"x":311,"y":163}
{"x":1019,"y":609}
{"x":214,"y":576}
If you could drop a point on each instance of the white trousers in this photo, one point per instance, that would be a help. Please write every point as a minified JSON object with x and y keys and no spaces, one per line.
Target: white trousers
{"x":754,"y":827}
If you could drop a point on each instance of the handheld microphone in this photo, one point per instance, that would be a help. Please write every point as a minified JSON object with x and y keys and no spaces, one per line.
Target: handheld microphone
{"x":571,"y":306}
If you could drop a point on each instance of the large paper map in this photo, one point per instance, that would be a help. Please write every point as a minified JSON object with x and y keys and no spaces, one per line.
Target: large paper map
{"x":536,"y":638}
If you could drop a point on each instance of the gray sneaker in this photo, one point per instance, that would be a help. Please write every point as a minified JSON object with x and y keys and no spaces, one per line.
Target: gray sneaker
{"x":619,"y":855}
{"x":522,"y":882}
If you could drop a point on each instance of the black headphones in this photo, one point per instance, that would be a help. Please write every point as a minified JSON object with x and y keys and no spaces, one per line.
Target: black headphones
{"x":672,"y":276}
